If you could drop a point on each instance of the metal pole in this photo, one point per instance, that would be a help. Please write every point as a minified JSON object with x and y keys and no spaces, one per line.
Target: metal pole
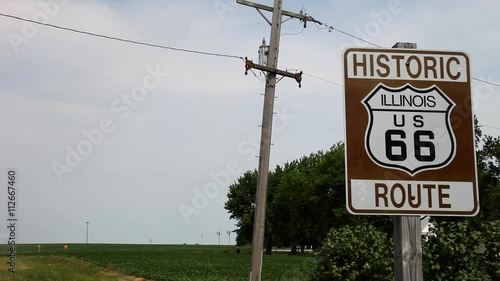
{"x":407,"y":235}
{"x":218,"y":234}
{"x":87,"y":236}
{"x":229,"y":237}
{"x":265,"y":146}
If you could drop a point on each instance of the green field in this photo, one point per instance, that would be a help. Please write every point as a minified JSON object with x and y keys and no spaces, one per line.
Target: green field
{"x":152,"y":262}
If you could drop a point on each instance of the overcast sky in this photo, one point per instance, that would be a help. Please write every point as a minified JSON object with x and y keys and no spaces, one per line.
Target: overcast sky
{"x":143,"y":142}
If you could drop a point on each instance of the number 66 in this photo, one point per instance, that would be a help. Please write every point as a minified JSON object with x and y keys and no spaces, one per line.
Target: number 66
{"x":390,"y":143}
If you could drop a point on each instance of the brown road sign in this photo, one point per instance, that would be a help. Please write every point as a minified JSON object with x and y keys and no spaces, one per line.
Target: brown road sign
{"x":409,"y":133}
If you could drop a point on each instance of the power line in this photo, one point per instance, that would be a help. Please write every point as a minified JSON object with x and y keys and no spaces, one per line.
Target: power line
{"x":487,"y":82}
{"x":330,"y":28}
{"x":121,"y":39}
{"x":325,"y":80}
{"x":303,"y":28}
{"x":487,"y":126}
{"x":294,"y":33}
{"x":356,"y":37}
{"x":260,"y":78}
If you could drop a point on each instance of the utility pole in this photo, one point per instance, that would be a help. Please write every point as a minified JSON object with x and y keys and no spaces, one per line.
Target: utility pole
{"x":407,"y":235}
{"x":218,"y":234}
{"x":229,"y":237}
{"x":267,"y":122}
{"x":87,"y":236}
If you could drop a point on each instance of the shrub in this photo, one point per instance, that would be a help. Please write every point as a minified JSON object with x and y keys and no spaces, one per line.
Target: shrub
{"x":359,"y":252}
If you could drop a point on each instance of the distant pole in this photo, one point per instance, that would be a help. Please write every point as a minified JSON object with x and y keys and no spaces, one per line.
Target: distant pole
{"x":407,"y":235}
{"x":87,"y":236}
{"x":229,"y":237}
{"x":202,"y":239}
{"x":218,"y":233}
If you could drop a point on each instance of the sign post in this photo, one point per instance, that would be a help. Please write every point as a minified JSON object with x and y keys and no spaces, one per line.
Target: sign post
{"x":409,"y":139}
{"x":407,"y":235}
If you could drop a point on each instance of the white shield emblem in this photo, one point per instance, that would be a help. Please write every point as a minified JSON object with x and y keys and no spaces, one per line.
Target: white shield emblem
{"x":409,"y":129}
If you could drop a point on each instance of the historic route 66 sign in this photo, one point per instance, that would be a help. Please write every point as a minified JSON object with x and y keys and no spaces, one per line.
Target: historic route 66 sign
{"x":404,"y":126}
{"x":409,"y":133}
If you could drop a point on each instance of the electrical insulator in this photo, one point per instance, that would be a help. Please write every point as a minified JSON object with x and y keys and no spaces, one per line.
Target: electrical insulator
{"x":263,"y":53}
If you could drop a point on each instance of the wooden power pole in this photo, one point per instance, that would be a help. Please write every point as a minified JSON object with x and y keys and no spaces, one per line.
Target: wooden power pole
{"x":267,"y":121}
{"x":407,"y":235}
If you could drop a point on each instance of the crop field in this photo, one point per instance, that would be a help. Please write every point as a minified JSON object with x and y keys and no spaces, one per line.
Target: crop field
{"x":151,"y":262}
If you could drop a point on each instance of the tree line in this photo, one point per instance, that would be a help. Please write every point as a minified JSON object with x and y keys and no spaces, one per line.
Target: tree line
{"x":305,"y":199}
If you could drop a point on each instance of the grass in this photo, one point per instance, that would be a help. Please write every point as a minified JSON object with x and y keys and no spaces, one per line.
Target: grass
{"x":161,"y":262}
{"x":52,"y":268}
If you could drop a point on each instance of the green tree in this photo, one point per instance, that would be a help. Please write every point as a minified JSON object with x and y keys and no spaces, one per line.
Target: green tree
{"x":469,"y":248}
{"x":462,"y":249}
{"x":355,"y":252}
{"x":240,"y":204}
{"x":305,"y":198}
{"x":488,"y":161}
